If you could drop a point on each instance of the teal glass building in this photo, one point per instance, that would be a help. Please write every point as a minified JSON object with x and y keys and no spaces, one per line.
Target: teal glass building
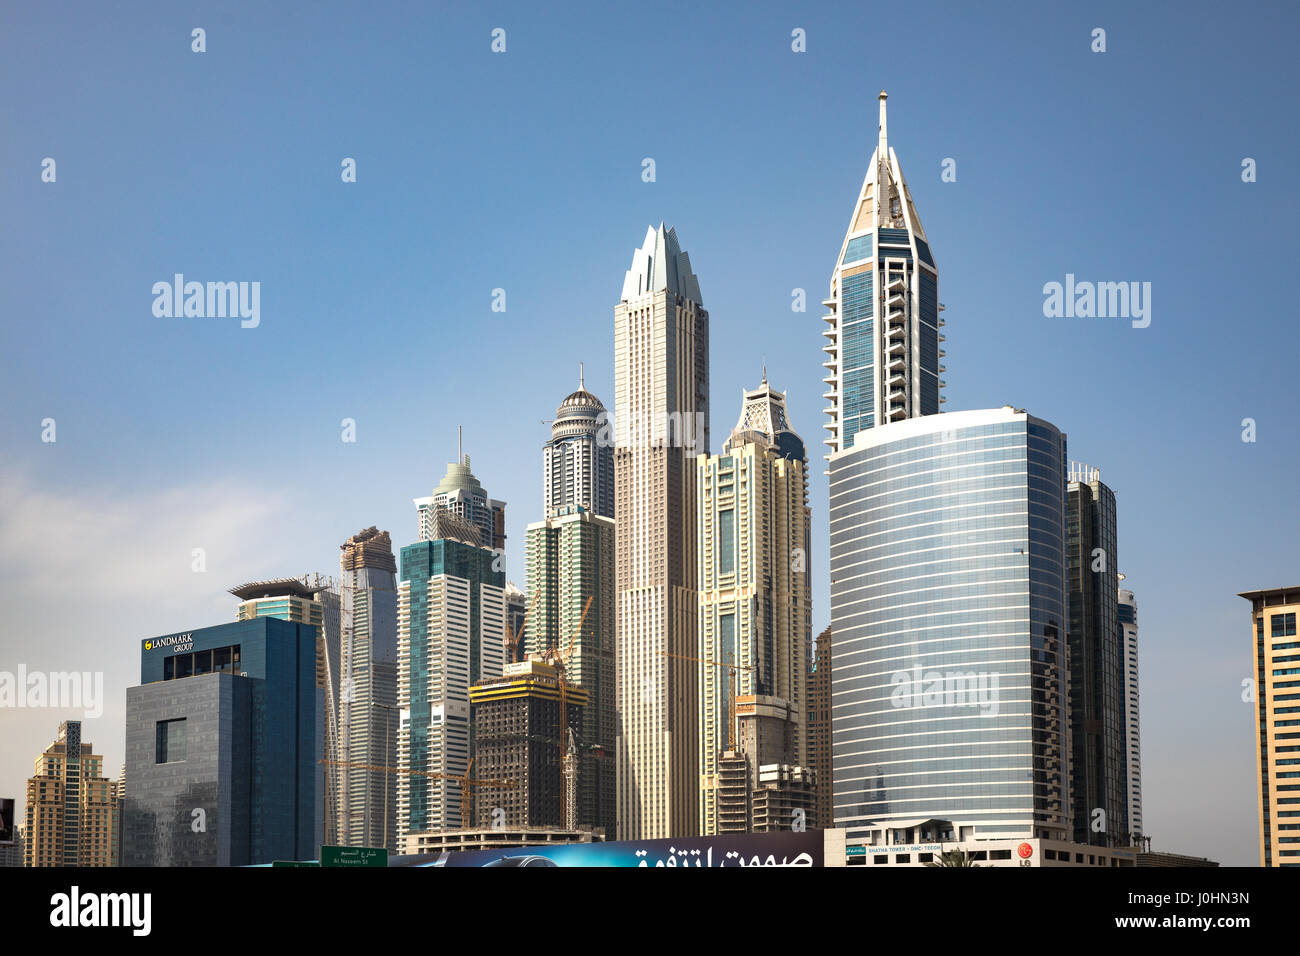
{"x":451,"y":619}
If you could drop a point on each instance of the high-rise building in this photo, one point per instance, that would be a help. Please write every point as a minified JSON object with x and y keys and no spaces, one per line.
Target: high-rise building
{"x":949,"y":607}
{"x":525,"y":730}
{"x":755,"y":788}
{"x":1096,"y":698}
{"x":70,"y":805}
{"x":661,"y":402}
{"x":451,"y":633}
{"x":819,"y":728}
{"x":784,"y":798}
{"x":1132,"y":712}
{"x":314,"y":600}
{"x":571,"y":563}
{"x":461,"y":494}
{"x":223,"y":745}
{"x":578,"y":461}
{"x":883,"y":336}
{"x":1277,"y":730}
{"x":755,"y":615}
{"x":368,"y":717}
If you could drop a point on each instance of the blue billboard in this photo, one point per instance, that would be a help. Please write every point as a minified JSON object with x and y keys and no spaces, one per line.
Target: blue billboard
{"x":737,"y":849}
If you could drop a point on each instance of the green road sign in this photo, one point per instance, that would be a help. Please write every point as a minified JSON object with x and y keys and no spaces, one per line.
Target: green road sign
{"x":353,"y":856}
{"x":276,"y":863}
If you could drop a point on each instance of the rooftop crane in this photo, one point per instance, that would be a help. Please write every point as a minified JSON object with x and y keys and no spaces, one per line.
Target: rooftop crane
{"x":512,"y":640}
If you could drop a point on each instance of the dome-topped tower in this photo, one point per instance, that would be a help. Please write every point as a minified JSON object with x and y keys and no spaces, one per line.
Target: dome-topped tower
{"x":578,"y":461}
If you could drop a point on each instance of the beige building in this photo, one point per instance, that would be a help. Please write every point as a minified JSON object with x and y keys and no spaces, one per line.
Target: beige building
{"x":755,"y":614}
{"x":1277,"y":726}
{"x":661,"y":402}
{"x":71,"y":806}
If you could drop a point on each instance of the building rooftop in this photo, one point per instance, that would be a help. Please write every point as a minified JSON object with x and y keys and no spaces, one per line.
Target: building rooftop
{"x":660,"y":264}
{"x":277,"y":587}
{"x":1293,"y":592}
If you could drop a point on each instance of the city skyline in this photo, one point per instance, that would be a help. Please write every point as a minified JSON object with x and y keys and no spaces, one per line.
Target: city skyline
{"x":1127,"y":397}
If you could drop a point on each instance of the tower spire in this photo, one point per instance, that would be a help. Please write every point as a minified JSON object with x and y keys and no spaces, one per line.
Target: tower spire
{"x":460,"y":452}
{"x":581,"y":387}
{"x":883,"y":146}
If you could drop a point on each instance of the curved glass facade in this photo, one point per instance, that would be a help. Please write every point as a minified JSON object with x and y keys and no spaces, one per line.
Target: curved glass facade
{"x":949,"y":610}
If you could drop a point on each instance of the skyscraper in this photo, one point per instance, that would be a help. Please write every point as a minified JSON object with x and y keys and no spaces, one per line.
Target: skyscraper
{"x":525,"y":726}
{"x":71,"y":805}
{"x":755,"y":615}
{"x":661,"y":401}
{"x":368,"y":718}
{"x":819,"y":728}
{"x":1132,"y":711}
{"x":1277,"y":729}
{"x":578,"y":461}
{"x":451,"y":632}
{"x":949,"y":608}
{"x":883,"y":340}
{"x":224,"y":731}
{"x":571,"y":561}
{"x":310,"y":600}
{"x":1096,"y":699}
{"x":463,"y":495}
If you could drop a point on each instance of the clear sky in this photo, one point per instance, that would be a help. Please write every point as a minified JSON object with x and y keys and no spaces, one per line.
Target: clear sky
{"x":522,"y":171}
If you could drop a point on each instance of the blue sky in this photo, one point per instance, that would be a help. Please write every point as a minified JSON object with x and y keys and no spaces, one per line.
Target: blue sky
{"x":522,"y":171}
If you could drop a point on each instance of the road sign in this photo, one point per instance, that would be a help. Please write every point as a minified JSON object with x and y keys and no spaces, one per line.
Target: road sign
{"x":353,"y":856}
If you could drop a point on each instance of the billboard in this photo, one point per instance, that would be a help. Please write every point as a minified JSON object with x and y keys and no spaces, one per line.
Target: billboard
{"x":6,"y":821}
{"x":737,"y":849}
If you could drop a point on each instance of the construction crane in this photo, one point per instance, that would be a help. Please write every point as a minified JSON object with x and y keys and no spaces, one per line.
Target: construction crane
{"x":558,"y":657}
{"x":465,"y":780}
{"x":512,"y":640}
{"x":731,"y":718}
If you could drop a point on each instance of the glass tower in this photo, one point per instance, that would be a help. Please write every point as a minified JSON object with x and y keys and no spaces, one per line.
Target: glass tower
{"x":949,"y":608}
{"x":1096,"y":664}
{"x":883,"y":337}
{"x":451,"y":633}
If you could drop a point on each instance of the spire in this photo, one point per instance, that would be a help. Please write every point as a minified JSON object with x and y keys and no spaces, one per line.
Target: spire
{"x":460,"y":452}
{"x":764,"y":369}
{"x":581,"y":387}
{"x":883,"y":145}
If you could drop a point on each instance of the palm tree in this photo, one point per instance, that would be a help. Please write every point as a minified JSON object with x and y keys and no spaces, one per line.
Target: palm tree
{"x":952,"y":858}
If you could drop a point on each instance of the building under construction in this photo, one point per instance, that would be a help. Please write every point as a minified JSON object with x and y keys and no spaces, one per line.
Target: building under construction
{"x":521,"y":736}
{"x":758,"y":790}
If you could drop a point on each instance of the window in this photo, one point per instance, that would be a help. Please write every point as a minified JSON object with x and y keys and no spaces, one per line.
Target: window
{"x":726,"y":541}
{"x":1283,"y":625}
{"x":170,"y":741}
